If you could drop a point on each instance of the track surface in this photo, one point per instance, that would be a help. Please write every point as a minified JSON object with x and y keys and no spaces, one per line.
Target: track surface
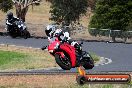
{"x":121,"y":54}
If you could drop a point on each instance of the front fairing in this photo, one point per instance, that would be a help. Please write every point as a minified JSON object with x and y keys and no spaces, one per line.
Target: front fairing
{"x":70,"y":50}
{"x":53,"y":45}
{"x":21,"y":25}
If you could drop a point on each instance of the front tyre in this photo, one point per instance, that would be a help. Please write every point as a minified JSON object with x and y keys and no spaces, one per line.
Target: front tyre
{"x":26,"y":34}
{"x":64,"y":63}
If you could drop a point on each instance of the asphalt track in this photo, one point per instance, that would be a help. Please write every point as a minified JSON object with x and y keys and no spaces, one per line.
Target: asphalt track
{"x":119,"y":53}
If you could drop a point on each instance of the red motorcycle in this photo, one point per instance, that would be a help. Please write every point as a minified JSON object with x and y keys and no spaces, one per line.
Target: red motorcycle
{"x":66,"y":58}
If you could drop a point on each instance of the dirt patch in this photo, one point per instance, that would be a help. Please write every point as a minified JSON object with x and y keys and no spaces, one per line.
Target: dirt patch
{"x":41,"y":81}
{"x":50,"y":81}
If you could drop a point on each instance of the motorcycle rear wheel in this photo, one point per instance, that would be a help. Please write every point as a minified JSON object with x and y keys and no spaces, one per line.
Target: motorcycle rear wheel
{"x":64,"y":63}
{"x":88,"y":62}
{"x":13,"y":34}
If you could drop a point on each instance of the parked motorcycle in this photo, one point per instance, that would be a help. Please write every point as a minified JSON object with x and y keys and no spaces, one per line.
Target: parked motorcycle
{"x":66,"y":58}
{"x":19,"y":29}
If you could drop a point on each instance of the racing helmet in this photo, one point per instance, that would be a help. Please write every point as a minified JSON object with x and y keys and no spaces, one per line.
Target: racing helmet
{"x":50,"y":29}
{"x":9,"y":15}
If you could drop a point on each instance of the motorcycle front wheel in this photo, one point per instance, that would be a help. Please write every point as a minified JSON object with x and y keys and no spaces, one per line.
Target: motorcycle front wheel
{"x":26,"y":34}
{"x":64,"y":63}
{"x":13,"y":34}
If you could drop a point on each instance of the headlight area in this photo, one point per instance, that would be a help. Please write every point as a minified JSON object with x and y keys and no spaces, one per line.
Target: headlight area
{"x":51,"y":51}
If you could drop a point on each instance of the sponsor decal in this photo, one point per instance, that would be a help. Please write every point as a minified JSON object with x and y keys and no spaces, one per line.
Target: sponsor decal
{"x":83,"y":78}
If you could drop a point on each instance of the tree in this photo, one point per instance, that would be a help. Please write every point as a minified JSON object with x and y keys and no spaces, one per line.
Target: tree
{"x":112,"y":14}
{"x":6,"y":5}
{"x":67,"y":11}
{"x":20,"y":5}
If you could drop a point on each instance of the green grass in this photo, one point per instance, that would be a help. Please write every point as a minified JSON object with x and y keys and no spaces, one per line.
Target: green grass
{"x":14,"y":60}
{"x":95,"y":57}
{"x":10,"y":60}
{"x":7,"y":57}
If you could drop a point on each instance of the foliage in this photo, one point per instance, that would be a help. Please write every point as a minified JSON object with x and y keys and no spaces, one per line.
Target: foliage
{"x":6,"y":5}
{"x":67,"y":10}
{"x":24,"y":59}
{"x":93,"y":31}
{"x":110,"y":33}
{"x":112,"y":14}
{"x":20,"y":5}
{"x":104,"y":32}
{"x":7,"y":57}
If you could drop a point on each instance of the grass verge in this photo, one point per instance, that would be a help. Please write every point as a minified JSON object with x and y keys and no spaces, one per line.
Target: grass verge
{"x":14,"y":58}
{"x":95,"y":57}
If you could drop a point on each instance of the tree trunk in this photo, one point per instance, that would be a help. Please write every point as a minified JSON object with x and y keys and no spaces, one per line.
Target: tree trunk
{"x":21,"y":12}
{"x":18,"y":10}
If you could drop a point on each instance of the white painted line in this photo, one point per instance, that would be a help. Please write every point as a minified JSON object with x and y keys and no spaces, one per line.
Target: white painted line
{"x":109,"y":61}
{"x":103,"y":61}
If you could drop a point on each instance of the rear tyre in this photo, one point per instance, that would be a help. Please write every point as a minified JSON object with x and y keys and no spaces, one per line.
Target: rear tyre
{"x":13,"y":36}
{"x":88,"y":62}
{"x":64,"y":63}
{"x":28,"y":34}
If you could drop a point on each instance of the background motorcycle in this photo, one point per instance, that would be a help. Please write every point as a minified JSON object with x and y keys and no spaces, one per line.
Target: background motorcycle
{"x":65,"y":56}
{"x":19,"y":29}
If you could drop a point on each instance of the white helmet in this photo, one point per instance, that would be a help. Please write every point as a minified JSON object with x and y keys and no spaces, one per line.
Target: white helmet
{"x":50,"y":29}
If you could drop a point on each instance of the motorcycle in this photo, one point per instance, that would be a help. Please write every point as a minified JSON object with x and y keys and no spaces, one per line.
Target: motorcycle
{"x":66,"y":58}
{"x":19,"y":29}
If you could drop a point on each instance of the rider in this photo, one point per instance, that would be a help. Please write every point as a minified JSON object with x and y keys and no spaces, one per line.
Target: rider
{"x":10,"y":20}
{"x":52,"y":32}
